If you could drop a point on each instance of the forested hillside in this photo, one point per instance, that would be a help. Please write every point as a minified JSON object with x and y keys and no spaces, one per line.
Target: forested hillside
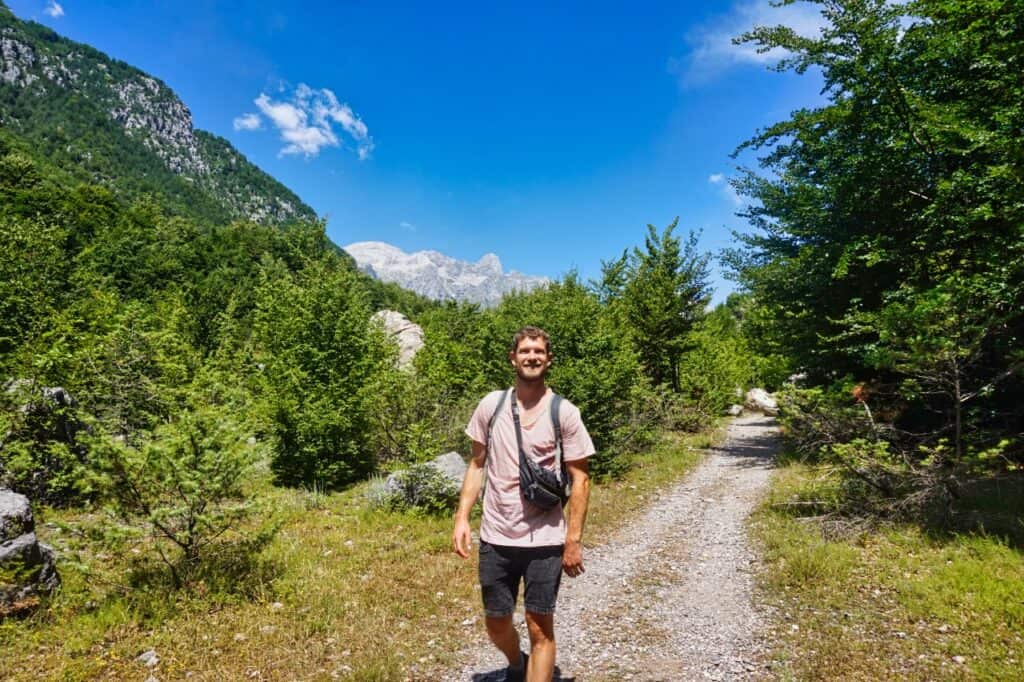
{"x":101,"y":121}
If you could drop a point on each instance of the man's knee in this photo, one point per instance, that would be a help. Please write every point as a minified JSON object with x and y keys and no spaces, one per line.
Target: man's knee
{"x":498,"y":625}
{"x":541,"y":626}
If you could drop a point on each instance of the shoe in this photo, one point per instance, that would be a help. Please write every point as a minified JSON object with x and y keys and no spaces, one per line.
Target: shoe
{"x":517,"y":674}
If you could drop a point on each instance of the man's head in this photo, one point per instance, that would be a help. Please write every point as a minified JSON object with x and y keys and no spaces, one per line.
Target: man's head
{"x":531,"y":354}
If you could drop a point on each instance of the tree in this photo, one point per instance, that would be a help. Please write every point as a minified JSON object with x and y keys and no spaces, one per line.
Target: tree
{"x":900,"y":198}
{"x":663,"y":291}
{"x":183,"y":481}
{"x":319,"y":355}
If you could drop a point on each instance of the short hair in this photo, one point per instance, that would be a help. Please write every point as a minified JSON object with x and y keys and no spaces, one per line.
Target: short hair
{"x":531,"y":332}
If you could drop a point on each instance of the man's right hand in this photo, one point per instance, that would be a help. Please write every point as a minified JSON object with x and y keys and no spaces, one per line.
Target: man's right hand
{"x":462,"y":538}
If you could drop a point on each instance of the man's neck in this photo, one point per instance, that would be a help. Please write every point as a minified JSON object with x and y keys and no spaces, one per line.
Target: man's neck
{"x":529,"y":393}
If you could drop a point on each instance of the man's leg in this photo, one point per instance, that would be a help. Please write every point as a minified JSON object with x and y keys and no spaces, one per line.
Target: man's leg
{"x":499,"y":586}
{"x":542,"y":577}
{"x":541,"y":627}
{"x":503,"y":633}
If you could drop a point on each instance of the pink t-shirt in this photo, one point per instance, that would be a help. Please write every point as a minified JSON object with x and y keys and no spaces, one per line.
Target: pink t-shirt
{"x":508,"y":519}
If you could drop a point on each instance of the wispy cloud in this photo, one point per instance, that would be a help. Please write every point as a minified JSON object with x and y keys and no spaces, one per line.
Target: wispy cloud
{"x":711,"y":50}
{"x":54,"y":9}
{"x":248,"y":122}
{"x":406,"y":225}
{"x":725,"y":188}
{"x":306,"y":120}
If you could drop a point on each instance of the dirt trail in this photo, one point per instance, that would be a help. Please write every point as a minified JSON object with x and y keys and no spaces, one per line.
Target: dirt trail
{"x":670,"y":596}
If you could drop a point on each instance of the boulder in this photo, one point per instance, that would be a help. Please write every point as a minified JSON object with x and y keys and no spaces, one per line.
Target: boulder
{"x":406,"y":333}
{"x":734,"y":410}
{"x":27,"y":567}
{"x":450,"y":465}
{"x":762,"y":401}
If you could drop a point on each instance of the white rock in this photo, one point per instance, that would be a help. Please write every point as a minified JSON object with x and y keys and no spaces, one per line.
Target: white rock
{"x":762,"y":401}
{"x":407,"y":334}
{"x":148,"y":658}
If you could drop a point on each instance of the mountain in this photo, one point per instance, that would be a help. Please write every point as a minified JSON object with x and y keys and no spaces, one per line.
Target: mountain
{"x":102,"y":121}
{"x":440,"y":277}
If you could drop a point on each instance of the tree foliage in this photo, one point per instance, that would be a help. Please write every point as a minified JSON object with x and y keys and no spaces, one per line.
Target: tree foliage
{"x":889,"y":244}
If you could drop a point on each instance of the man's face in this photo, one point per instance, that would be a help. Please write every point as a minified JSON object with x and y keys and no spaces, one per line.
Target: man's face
{"x":531,"y":359}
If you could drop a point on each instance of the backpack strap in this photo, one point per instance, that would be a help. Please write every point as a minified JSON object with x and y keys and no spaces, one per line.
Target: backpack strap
{"x":556,"y":424}
{"x":494,"y":417}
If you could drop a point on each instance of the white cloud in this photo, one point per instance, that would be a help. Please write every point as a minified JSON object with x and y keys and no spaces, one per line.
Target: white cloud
{"x":248,"y":122}
{"x":406,"y":225}
{"x":725,"y":188}
{"x":54,"y":9}
{"x":306,"y":122}
{"x":712,"y":51}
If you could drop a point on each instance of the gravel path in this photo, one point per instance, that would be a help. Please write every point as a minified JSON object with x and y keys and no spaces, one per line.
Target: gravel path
{"x":670,"y":596}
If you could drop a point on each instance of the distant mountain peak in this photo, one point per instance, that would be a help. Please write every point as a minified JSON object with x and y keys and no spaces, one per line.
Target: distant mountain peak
{"x":435,"y":275}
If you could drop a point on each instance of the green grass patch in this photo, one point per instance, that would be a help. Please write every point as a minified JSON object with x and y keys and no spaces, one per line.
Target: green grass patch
{"x":339,"y":593}
{"x":892,"y":603}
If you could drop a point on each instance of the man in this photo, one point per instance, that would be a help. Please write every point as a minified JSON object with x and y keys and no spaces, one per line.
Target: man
{"x":519,"y":541}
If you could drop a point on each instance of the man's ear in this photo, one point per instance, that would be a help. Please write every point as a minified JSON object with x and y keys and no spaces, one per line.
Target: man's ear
{"x":512,"y":356}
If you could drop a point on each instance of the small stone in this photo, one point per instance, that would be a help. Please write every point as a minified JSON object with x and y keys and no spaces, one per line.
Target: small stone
{"x":959,"y":659}
{"x":239,"y":637}
{"x":148,"y":658}
{"x":277,"y":606}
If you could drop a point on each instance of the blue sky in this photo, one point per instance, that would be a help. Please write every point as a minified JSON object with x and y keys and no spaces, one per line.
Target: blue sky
{"x":548,"y":134}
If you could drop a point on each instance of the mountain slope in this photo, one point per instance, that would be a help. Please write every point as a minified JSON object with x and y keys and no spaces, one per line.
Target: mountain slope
{"x":105,"y":122}
{"x":440,"y":277}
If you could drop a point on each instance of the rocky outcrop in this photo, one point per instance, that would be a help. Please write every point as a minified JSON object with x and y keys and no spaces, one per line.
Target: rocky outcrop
{"x":406,"y":333}
{"x":27,"y":567}
{"x":37,"y":65}
{"x":762,"y":401}
{"x":440,"y":277}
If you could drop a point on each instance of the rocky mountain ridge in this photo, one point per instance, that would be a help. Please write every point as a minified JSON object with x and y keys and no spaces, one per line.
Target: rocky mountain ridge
{"x":96,"y":115}
{"x":440,"y":277}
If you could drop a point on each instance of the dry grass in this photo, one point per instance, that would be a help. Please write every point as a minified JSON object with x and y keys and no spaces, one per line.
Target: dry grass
{"x":340,"y":592}
{"x":892,"y":603}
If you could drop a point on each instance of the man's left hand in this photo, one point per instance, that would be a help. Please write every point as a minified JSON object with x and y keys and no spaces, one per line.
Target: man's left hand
{"x":572,"y":558}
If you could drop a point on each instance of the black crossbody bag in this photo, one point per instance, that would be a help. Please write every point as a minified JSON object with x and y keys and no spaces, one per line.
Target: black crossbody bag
{"x":542,"y":487}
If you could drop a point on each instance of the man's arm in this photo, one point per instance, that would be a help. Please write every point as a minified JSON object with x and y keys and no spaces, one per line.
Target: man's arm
{"x":461,"y":535}
{"x":572,"y":557}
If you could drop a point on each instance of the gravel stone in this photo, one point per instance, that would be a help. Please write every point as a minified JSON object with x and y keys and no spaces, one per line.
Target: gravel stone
{"x":671,"y":595}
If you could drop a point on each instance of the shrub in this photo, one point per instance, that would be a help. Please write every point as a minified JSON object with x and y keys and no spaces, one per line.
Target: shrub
{"x":421,"y":487}
{"x":183,"y":482}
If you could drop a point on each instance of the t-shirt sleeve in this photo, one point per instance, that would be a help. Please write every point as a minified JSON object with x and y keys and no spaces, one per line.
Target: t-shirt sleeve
{"x":576,"y":442}
{"x":477,"y":427}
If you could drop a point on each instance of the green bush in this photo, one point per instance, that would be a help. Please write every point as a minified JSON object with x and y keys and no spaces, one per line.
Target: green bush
{"x":421,"y":488}
{"x":320,"y":356}
{"x":183,"y":482}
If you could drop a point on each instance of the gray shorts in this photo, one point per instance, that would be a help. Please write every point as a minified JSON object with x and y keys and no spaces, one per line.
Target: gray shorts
{"x":502,"y":568}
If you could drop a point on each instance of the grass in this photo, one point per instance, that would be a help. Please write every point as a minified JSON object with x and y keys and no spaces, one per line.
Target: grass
{"x":897,"y":602}
{"x":339,"y":593}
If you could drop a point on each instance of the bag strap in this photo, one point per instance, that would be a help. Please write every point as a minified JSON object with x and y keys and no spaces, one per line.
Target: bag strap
{"x":490,"y":428}
{"x":556,"y":401}
{"x":556,"y":424}
{"x":494,"y":417}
